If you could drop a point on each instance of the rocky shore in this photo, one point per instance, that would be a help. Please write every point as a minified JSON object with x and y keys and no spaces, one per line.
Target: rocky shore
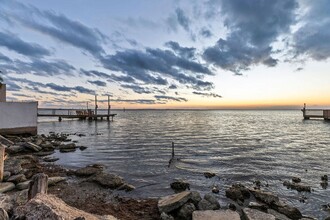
{"x":87,"y":192}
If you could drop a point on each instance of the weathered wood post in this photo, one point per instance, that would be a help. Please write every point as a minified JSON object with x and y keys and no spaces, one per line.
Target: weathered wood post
{"x":2,"y":161}
{"x":39,"y":184}
{"x":95,"y":106}
{"x":172,"y":149}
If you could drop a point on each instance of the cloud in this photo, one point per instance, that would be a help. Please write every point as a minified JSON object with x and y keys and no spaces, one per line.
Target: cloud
{"x":57,"y":26}
{"x":135,"y":101}
{"x":14,"y":43}
{"x":153,"y":65}
{"x":5,"y":59}
{"x":205,"y":33}
{"x":137,"y":89}
{"x":173,"y":86}
{"x":60,"y":88}
{"x":312,"y":38}
{"x":207,"y":94}
{"x":98,"y":83}
{"x":182,"y":19}
{"x":184,"y":52}
{"x":109,"y":77}
{"x":164,"y":97}
{"x":253,"y":27}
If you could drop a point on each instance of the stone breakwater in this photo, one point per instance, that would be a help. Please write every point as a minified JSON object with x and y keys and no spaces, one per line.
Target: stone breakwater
{"x":88,"y":192}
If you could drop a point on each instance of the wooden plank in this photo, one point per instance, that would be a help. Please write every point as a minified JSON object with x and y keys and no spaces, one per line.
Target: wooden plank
{"x":2,"y":161}
{"x":6,"y":141}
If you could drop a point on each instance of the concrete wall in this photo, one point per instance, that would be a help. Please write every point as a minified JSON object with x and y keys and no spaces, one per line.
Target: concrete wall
{"x":2,"y":92}
{"x":18,"y":117}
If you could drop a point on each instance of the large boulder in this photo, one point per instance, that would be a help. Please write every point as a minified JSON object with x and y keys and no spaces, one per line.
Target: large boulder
{"x":186,"y":211}
{"x":297,"y":186}
{"x":45,"y":206}
{"x":266,"y":197}
{"x":180,"y":185}
{"x":238,"y":192}
{"x":88,"y":171}
{"x":208,"y":203}
{"x":215,"y":215}
{"x":172,"y":202}
{"x":254,"y":214}
{"x":17,"y":178}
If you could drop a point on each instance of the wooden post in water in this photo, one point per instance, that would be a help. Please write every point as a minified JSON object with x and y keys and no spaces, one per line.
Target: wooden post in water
{"x":39,"y":184}
{"x":2,"y":161}
{"x":304,"y":112}
{"x":108,"y":108}
{"x":172,"y":149}
{"x":95,"y":107}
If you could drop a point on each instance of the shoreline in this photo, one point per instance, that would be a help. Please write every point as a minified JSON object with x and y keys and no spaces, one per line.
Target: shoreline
{"x":92,"y":190}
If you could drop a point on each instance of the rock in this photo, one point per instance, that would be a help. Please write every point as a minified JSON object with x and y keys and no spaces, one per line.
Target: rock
{"x":209,"y":174}
{"x":6,"y":175}
{"x":50,"y":159}
{"x":82,"y":148}
{"x":259,"y":206}
{"x":253,"y":214}
{"x":88,"y":171}
{"x":3,"y":214}
{"x":17,"y":178}
{"x":7,"y":186}
{"x":278,"y":216}
{"x":215,"y":189}
{"x":172,"y":202}
{"x":165,"y":216}
{"x":47,"y":146}
{"x":232,"y":207}
{"x":39,"y":141}
{"x":324,"y":178}
{"x":44,"y":153}
{"x":107,"y":180}
{"x":238,"y":192}
{"x":15,"y":149}
{"x":266,"y":197}
{"x":45,"y":206}
{"x":67,"y":150}
{"x":6,"y":202}
{"x":297,"y":186}
{"x":180,"y":185}
{"x":186,"y":211}
{"x":215,"y":215}
{"x":327,"y":218}
{"x":32,"y":146}
{"x":68,"y":146}
{"x":23,"y":185}
{"x":195,"y":197}
{"x":21,"y":197}
{"x":290,"y":211}
{"x":296,"y":179}
{"x":208,"y":203}
{"x":126,"y":187}
{"x":54,"y":180}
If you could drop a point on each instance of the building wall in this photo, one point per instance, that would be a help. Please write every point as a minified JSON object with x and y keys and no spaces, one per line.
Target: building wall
{"x":18,"y":117}
{"x":2,"y":92}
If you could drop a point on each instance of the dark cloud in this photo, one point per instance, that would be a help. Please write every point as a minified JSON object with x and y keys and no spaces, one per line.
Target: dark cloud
{"x":60,"y":88}
{"x":182,"y":19}
{"x":253,"y":26}
{"x":185,"y":52}
{"x":14,"y":43}
{"x":5,"y":59}
{"x":150,"y":65}
{"x":46,"y":68}
{"x":173,"y":86}
{"x":135,"y":101}
{"x":205,"y":33}
{"x":207,"y":94}
{"x":98,"y":83}
{"x":171,"y":98}
{"x":58,"y":27}
{"x":312,"y":38}
{"x":109,"y":77}
{"x":137,"y":89}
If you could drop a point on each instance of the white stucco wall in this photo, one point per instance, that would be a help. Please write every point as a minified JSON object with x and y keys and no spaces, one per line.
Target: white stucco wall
{"x":18,"y":115}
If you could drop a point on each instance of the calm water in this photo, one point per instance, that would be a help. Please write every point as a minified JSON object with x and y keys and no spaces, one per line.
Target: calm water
{"x":239,"y":146}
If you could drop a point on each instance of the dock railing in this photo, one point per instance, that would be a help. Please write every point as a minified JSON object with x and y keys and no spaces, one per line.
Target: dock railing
{"x":315,"y":113}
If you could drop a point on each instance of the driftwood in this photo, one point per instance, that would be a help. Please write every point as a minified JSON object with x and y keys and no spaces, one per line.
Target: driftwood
{"x":2,"y":161}
{"x":5,"y":141}
{"x":39,"y":184}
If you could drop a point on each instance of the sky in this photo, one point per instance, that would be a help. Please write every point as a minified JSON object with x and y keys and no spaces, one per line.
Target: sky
{"x":205,"y":54}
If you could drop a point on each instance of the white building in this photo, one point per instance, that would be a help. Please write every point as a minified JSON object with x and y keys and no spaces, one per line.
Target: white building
{"x":17,"y":117}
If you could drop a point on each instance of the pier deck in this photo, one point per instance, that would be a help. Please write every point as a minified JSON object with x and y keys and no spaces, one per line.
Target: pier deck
{"x":316,"y":113}
{"x":74,"y":113}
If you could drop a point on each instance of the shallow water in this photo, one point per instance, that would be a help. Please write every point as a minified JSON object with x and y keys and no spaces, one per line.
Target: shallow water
{"x":239,"y":146}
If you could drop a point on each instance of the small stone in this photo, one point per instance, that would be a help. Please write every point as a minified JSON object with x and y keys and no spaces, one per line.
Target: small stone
{"x":67,"y":150}
{"x":88,"y":171}
{"x":179,"y":186}
{"x":238,"y":192}
{"x":126,"y":187}
{"x":324,"y":178}
{"x":165,"y":216}
{"x":215,"y":189}
{"x":186,"y":211}
{"x":6,"y":175}
{"x":277,"y":214}
{"x":259,"y":206}
{"x":17,"y":178}
{"x":107,"y":180}
{"x":232,"y":207}
{"x":55,"y":179}
{"x":297,"y":186}
{"x":195,"y":197}
{"x":32,"y":146}
{"x":23,"y":185}
{"x":209,"y":174}
{"x":296,"y":179}
{"x":7,"y":186}
{"x":50,"y":159}
{"x":172,"y":202}
{"x":82,"y":148}
{"x":208,"y":203}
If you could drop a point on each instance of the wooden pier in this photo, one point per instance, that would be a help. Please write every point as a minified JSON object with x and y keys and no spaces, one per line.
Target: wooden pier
{"x":74,"y":114}
{"x":315,"y":113}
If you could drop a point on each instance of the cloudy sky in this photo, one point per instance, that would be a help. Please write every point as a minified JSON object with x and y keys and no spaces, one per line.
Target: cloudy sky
{"x":167,"y":53}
